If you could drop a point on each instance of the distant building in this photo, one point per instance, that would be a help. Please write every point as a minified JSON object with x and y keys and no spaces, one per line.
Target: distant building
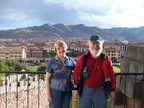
{"x":48,"y":48}
{"x":113,"y":53}
{"x":12,"y":53}
{"x":37,"y":54}
{"x":78,"y":46}
{"x":34,"y":52}
{"x":121,"y":47}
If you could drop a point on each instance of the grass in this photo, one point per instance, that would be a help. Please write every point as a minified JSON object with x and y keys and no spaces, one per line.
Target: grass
{"x":74,"y":103}
{"x":116,"y":69}
{"x":32,"y":68}
{"x":108,"y":105}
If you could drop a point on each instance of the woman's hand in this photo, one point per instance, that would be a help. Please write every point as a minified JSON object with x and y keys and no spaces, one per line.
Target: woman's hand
{"x":49,"y":99}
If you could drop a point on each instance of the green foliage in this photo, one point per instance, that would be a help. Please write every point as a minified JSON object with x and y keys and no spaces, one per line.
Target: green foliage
{"x":42,"y":67}
{"x":1,"y":76}
{"x":116,"y":69}
{"x":51,"y":54}
{"x":14,"y":66}
{"x":11,"y":65}
{"x":3,"y":66}
{"x":31,"y":68}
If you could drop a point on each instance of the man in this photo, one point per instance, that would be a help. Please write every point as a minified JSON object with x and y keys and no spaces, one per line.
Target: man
{"x":98,"y":76}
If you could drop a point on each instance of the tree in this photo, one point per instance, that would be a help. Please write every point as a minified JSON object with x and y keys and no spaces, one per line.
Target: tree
{"x":42,"y":67}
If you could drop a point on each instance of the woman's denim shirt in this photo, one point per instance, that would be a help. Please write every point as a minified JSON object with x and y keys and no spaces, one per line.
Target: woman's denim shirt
{"x":61,"y":73}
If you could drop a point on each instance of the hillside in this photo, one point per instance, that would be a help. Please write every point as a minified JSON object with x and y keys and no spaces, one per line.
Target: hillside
{"x":80,"y":32}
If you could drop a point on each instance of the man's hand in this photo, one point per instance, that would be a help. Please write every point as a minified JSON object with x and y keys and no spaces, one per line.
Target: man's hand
{"x":75,"y":94}
{"x":112,"y":95}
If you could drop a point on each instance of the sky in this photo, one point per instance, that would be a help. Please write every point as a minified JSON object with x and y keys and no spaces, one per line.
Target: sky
{"x":100,"y":13}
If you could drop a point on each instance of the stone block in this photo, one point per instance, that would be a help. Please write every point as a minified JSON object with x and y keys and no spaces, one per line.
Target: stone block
{"x":131,"y":52}
{"x":142,"y":104}
{"x":136,"y":67}
{"x":134,"y":88}
{"x":140,"y":55}
{"x":120,"y":98}
{"x":133,"y":68}
{"x":119,"y":106}
{"x":118,"y":81}
{"x":125,"y":63}
{"x":133,"y":103}
{"x":140,"y":70}
{"x":123,"y":84}
{"x":131,"y":87}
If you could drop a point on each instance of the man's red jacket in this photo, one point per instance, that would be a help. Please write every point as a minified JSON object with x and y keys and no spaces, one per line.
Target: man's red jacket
{"x":97,"y":67}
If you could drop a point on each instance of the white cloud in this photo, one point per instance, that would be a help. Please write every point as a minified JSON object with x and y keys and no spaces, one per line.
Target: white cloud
{"x":101,"y":13}
{"x":14,"y":15}
{"x":115,"y":12}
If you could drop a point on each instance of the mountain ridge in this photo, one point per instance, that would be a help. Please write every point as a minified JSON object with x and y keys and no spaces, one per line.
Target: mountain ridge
{"x":79,"y":31}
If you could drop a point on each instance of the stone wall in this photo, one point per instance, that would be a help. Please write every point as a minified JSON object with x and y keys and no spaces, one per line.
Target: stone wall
{"x":130,"y":87}
{"x":24,"y":101}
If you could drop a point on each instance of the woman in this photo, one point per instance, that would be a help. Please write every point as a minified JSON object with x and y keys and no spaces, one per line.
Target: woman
{"x":58,"y":77}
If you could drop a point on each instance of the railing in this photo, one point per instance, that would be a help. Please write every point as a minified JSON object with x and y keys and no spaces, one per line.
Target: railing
{"x":30,"y":91}
{"x":21,"y":88}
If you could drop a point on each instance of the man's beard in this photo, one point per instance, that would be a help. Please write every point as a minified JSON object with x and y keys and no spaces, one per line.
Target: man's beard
{"x":95,"y":53}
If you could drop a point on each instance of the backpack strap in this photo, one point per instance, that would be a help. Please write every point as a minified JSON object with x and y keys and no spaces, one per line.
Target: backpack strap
{"x":81,"y":79}
{"x":102,"y":57}
{"x":105,"y":81}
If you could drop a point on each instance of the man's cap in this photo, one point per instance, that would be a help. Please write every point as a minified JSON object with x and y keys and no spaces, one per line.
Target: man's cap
{"x":96,"y":38}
